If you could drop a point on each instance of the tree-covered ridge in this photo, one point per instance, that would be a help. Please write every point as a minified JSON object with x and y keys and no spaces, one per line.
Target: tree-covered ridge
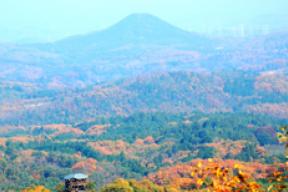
{"x":133,"y":146}
{"x":175,"y":92}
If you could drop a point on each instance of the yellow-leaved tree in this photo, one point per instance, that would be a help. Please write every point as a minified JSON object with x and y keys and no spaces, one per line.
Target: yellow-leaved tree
{"x":283,"y":138}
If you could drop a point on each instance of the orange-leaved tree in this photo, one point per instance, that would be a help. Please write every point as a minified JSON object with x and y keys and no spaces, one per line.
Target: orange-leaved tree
{"x":39,"y":188}
{"x":145,"y":185}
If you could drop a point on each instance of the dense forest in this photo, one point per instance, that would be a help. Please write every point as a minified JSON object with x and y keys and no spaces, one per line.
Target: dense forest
{"x":133,"y":147}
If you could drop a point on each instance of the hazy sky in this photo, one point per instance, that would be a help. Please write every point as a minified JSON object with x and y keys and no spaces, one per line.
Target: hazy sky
{"x":32,"y":20}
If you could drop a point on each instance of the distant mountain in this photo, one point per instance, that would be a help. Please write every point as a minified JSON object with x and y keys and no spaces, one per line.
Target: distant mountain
{"x":135,"y":31}
{"x":138,"y":43}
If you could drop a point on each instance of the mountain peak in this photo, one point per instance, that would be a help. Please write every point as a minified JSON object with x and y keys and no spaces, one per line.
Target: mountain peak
{"x":142,"y":22}
{"x":141,"y":17}
{"x":143,"y":28}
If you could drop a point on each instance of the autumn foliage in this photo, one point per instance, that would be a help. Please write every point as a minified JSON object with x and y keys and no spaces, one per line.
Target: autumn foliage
{"x":122,"y":185}
{"x":36,"y":189}
{"x":223,"y":176}
{"x":211,"y":175}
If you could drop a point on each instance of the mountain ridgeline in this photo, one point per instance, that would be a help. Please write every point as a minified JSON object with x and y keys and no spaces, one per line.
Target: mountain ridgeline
{"x":135,"y":31}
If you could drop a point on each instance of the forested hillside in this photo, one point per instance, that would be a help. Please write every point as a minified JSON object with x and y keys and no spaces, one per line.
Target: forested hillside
{"x":162,"y":108}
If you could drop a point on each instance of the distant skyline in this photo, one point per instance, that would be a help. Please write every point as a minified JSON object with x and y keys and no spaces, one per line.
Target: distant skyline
{"x":49,"y":20}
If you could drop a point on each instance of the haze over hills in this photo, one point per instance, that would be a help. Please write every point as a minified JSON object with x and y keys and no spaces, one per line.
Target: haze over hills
{"x":125,"y":48}
{"x":84,"y":71}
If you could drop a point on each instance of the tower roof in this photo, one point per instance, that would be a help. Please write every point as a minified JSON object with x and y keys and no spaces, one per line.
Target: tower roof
{"x":76,"y":176}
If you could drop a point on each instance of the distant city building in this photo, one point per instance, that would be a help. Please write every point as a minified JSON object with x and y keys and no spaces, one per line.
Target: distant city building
{"x":76,"y":182}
